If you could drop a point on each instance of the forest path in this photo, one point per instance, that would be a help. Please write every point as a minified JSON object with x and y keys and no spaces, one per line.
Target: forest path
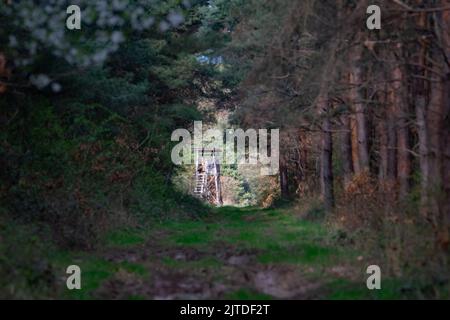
{"x":235,"y":253}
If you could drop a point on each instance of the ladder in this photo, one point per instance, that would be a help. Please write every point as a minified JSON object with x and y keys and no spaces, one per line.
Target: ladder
{"x":200,"y":183}
{"x":207,"y":175}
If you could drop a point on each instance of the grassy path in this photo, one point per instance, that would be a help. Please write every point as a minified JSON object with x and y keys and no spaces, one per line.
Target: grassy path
{"x":235,"y":253}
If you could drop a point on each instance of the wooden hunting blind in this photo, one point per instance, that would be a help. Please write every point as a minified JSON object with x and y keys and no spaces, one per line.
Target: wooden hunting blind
{"x":207,"y":175}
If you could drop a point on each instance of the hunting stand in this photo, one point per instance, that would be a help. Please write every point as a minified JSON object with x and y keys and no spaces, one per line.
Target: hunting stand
{"x":207,"y":175}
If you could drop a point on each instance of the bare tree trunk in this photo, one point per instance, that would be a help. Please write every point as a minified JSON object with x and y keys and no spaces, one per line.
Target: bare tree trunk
{"x":382,"y":130}
{"x":420,"y":104}
{"x":359,"y":108}
{"x":327,"y":166}
{"x":387,"y":140}
{"x":5,"y":73}
{"x":301,"y":159}
{"x":435,"y":128}
{"x":403,"y":155}
{"x":346,"y":151}
{"x":444,"y":205}
{"x":218,"y":186}
{"x":284,"y":183}
{"x":326,"y":157}
{"x":323,"y":105}
{"x":392,"y":143}
{"x":354,"y":145}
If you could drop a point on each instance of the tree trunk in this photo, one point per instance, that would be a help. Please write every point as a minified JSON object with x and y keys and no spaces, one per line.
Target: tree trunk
{"x":445,"y":199}
{"x":382,"y":130}
{"x":383,"y":142}
{"x":5,"y":73}
{"x":403,"y":155}
{"x":326,"y":157}
{"x":444,"y":205}
{"x":392,"y":145}
{"x":435,"y":129}
{"x":284,"y":183}
{"x":420,"y":104}
{"x":354,"y":145}
{"x":356,"y":100}
{"x":346,"y":151}
{"x":387,"y":139}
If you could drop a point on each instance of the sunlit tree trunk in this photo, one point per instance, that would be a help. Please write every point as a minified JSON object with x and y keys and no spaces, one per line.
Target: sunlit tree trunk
{"x":354,"y":144}
{"x":356,"y":100}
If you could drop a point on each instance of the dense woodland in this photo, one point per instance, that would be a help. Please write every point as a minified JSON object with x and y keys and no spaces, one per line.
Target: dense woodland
{"x":86,"y":117}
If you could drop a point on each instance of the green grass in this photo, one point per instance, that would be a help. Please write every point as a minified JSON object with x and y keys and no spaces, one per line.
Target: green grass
{"x":247,"y":294}
{"x":192,"y":238}
{"x":135,"y":268}
{"x":280,"y":237}
{"x":205,"y":262}
{"x":124,"y":238}
{"x":299,"y":254}
{"x":94,"y":271}
{"x":346,"y":290}
{"x":190,"y":233}
{"x":270,"y":238}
